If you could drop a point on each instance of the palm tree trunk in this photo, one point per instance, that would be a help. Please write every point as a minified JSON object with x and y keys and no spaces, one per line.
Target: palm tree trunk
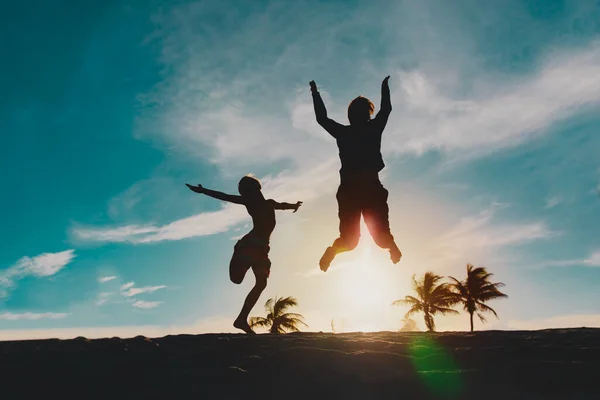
{"x":429,"y":322}
{"x":471,"y":317}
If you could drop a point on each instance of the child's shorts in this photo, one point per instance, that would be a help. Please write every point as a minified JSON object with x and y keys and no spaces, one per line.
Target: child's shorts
{"x":253,"y":252}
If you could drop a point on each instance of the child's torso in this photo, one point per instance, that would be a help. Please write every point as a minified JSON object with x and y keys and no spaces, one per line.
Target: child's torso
{"x":360,"y":149}
{"x":263,"y":218}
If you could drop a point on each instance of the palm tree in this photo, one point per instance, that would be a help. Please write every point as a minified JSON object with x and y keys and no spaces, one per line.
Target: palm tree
{"x":432,"y":298}
{"x":474,"y":291}
{"x":277,"y":320}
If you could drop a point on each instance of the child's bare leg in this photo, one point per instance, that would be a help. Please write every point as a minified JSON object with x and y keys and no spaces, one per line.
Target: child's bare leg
{"x":376,"y":217}
{"x":349,"y":215}
{"x":241,"y":322}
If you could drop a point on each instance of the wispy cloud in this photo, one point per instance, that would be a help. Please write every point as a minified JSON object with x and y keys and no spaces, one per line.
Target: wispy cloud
{"x":43,"y":265}
{"x":285,"y":186}
{"x":553,"y":202}
{"x":203,"y":224}
{"x":593,"y":260}
{"x":249,"y":120}
{"x":500,"y":115}
{"x":480,"y":231}
{"x":483,"y":238}
{"x":133,"y":291}
{"x":130,"y":291}
{"x":146,"y":304}
{"x":104,"y":279}
{"x":103,"y":297}
{"x":9,"y":316}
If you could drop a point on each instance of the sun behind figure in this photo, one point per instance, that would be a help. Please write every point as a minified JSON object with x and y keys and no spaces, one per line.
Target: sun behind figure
{"x":365,"y":287}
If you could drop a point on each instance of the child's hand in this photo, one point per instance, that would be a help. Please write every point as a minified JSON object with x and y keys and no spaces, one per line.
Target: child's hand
{"x":297,"y":206}
{"x":197,"y":189}
{"x":313,"y":86}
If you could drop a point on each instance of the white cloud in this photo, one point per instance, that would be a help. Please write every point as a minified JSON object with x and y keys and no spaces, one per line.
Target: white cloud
{"x":133,"y":291}
{"x":146,"y":304}
{"x":593,"y":260}
{"x":496,"y":116}
{"x":304,"y":186}
{"x":104,"y":279}
{"x":127,"y":285}
{"x":239,"y":127}
{"x":553,"y":202}
{"x":43,"y":265}
{"x":103,"y":298}
{"x":124,"y":202}
{"x":8,"y":316}
{"x":482,"y":232}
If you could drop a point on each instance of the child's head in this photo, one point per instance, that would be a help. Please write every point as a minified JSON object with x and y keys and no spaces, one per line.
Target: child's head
{"x":248,"y":185}
{"x":360,"y":110}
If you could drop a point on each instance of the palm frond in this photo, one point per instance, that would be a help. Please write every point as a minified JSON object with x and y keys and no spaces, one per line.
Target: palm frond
{"x":269,"y":305}
{"x":443,"y":310}
{"x":284,"y":303}
{"x":293,"y":321}
{"x":481,"y":317}
{"x":484,"y":307}
{"x":414,"y":309}
{"x":407,"y":300}
{"x":292,"y":315}
{"x":259,"y":322}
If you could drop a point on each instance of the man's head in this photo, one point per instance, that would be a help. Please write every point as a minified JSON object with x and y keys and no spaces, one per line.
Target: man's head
{"x":248,"y":185}
{"x":360,"y":110}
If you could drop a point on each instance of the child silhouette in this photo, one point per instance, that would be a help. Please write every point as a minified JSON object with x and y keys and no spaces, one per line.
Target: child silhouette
{"x":360,"y":191}
{"x":251,"y":251}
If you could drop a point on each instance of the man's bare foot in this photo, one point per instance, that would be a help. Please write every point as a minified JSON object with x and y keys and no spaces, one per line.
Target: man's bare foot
{"x":395,"y":254}
{"x":243,"y":325}
{"x":327,"y":258}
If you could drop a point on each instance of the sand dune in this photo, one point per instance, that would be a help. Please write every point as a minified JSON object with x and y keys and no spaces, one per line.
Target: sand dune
{"x":561,"y":364}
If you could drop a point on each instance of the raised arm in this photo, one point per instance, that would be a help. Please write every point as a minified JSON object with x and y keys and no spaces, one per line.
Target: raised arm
{"x":321,"y":112}
{"x":217,"y":195}
{"x":386,"y":103}
{"x":285,"y":206}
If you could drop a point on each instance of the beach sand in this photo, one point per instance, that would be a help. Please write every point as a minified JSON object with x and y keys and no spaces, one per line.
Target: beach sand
{"x":550,"y":364}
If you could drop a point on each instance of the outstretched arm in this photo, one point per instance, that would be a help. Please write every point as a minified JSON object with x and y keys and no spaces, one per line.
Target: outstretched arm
{"x":386,"y":103}
{"x":217,"y":195}
{"x":321,"y":112}
{"x":286,"y":206}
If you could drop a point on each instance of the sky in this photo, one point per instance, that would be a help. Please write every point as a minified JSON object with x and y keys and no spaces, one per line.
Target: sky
{"x":108,"y":108}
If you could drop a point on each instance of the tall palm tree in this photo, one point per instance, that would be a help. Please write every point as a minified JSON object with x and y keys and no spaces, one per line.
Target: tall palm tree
{"x":474,"y":291}
{"x":432,"y":298}
{"x":277,"y":320}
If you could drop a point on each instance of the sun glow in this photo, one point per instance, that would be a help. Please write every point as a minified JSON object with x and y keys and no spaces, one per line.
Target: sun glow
{"x":365,"y":286}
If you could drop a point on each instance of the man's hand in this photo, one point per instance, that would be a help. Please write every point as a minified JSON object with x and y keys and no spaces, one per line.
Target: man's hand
{"x":385,"y":81}
{"x":197,"y":189}
{"x":313,"y":86}
{"x":297,"y":206}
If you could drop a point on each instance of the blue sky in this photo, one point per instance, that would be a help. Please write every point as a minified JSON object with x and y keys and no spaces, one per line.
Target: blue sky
{"x":108,"y":109}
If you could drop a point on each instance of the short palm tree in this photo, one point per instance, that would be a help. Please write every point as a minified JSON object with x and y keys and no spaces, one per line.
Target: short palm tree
{"x":277,"y":320}
{"x":474,"y":291}
{"x":432,"y":298}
